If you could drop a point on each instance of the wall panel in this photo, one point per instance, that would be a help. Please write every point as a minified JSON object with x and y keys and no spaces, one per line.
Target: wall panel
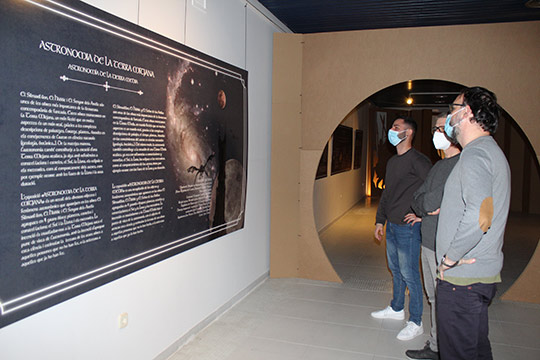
{"x":164,"y":301}
{"x":339,"y":70}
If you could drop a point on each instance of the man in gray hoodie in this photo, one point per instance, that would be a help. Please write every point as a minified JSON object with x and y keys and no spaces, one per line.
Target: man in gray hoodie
{"x":471,"y":227}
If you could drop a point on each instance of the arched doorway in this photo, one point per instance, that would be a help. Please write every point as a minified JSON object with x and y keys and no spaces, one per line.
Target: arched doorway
{"x":345,"y":194}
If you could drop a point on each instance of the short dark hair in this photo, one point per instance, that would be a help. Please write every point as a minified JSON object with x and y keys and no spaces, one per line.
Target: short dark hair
{"x":483,"y":104}
{"x":410,"y":122}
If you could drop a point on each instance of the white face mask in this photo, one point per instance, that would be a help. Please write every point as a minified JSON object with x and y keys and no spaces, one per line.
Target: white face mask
{"x":440,"y":141}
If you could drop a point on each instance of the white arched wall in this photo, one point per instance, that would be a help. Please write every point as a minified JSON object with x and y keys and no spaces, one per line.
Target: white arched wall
{"x":318,"y":78}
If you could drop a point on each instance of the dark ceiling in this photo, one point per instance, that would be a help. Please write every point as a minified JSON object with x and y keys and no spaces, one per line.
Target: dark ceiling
{"x":426,"y":94}
{"x":314,"y":16}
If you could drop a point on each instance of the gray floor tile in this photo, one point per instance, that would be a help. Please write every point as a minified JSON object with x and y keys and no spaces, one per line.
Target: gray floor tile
{"x":267,"y":349}
{"x":388,"y":345}
{"x":516,"y":313}
{"x":313,"y":333}
{"x":335,"y":354}
{"x":514,"y":334}
{"x":514,"y":352}
{"x":325,"y":312}
{"x":342,"y":295}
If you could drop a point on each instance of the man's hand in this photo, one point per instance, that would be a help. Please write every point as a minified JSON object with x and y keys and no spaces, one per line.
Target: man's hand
{"x":378,"y":231}
{"x":448,"y":264}
{"x":412,"y":219}
{"x":436,"y":212}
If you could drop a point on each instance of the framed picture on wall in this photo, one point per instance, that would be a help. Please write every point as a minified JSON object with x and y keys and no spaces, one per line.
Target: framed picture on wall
{"x":342,"y":144}
{"x":358,"y":137}
{"x":322,"y":169}
{"x":128,"y":149}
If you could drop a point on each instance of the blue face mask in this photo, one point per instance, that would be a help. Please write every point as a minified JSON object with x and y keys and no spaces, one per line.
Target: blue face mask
{"x":449,"y":129}
{"x":394,"y":138}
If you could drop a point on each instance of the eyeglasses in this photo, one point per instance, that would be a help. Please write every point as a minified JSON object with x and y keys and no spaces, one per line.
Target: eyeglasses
{"x":451,"y":106}
{"x":437,"y":128}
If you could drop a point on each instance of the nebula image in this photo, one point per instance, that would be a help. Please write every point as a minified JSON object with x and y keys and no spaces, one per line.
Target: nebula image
{"x":203,"y":141}
{"x":189,"y":135}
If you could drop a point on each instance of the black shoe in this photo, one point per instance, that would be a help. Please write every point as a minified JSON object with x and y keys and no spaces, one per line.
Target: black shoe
{"x":425,"y":353}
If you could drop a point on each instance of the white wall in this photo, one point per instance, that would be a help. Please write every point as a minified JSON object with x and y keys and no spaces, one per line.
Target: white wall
{"x":169,"y":299}
{"x":335,"y":194}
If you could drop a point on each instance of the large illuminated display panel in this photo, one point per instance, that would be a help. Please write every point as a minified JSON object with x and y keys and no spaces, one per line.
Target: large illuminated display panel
{"x":119,"y":148}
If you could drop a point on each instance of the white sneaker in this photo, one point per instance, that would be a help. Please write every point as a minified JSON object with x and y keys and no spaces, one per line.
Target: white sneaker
{"x":410,"y":331}
{"x":388,"y":313}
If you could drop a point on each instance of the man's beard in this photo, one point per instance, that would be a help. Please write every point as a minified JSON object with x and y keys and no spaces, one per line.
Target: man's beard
{"x":455,"y":134}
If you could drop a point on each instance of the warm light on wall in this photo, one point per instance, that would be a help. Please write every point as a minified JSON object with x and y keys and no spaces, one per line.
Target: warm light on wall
{"x":409,"y":100}
{"x":379,"y":182}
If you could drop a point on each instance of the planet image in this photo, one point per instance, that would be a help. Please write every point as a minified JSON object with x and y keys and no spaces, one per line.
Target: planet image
{"x":222,"y":99}
{"x":234,"y":194}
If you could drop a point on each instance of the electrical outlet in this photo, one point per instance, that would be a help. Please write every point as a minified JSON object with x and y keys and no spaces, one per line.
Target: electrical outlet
{"x":123,"y":320}
{"x":199,"y":4}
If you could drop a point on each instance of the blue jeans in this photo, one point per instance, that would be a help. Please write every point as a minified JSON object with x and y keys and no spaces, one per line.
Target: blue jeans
{"x":403,"y":254}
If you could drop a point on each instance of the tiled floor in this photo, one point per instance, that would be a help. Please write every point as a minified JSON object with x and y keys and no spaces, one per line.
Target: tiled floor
{"x":290,"y":319}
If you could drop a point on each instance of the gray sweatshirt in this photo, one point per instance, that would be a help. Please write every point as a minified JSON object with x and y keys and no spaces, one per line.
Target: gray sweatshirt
{"x":429,"y":196}
{"x":473,"y":214}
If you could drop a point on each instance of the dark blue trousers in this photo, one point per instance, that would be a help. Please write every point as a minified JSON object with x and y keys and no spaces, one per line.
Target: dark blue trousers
{"x":462,"y":320}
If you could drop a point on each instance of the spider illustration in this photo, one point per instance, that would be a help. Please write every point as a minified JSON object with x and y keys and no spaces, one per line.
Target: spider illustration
{"x":201,"y":170}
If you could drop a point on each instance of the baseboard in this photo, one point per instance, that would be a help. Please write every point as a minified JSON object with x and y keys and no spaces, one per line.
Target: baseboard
{"x":173,"y":348}
{"x":324,"y":228}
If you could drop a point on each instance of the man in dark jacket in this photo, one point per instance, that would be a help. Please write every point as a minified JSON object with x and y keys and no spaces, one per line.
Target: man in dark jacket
{"x":405,"y":173}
